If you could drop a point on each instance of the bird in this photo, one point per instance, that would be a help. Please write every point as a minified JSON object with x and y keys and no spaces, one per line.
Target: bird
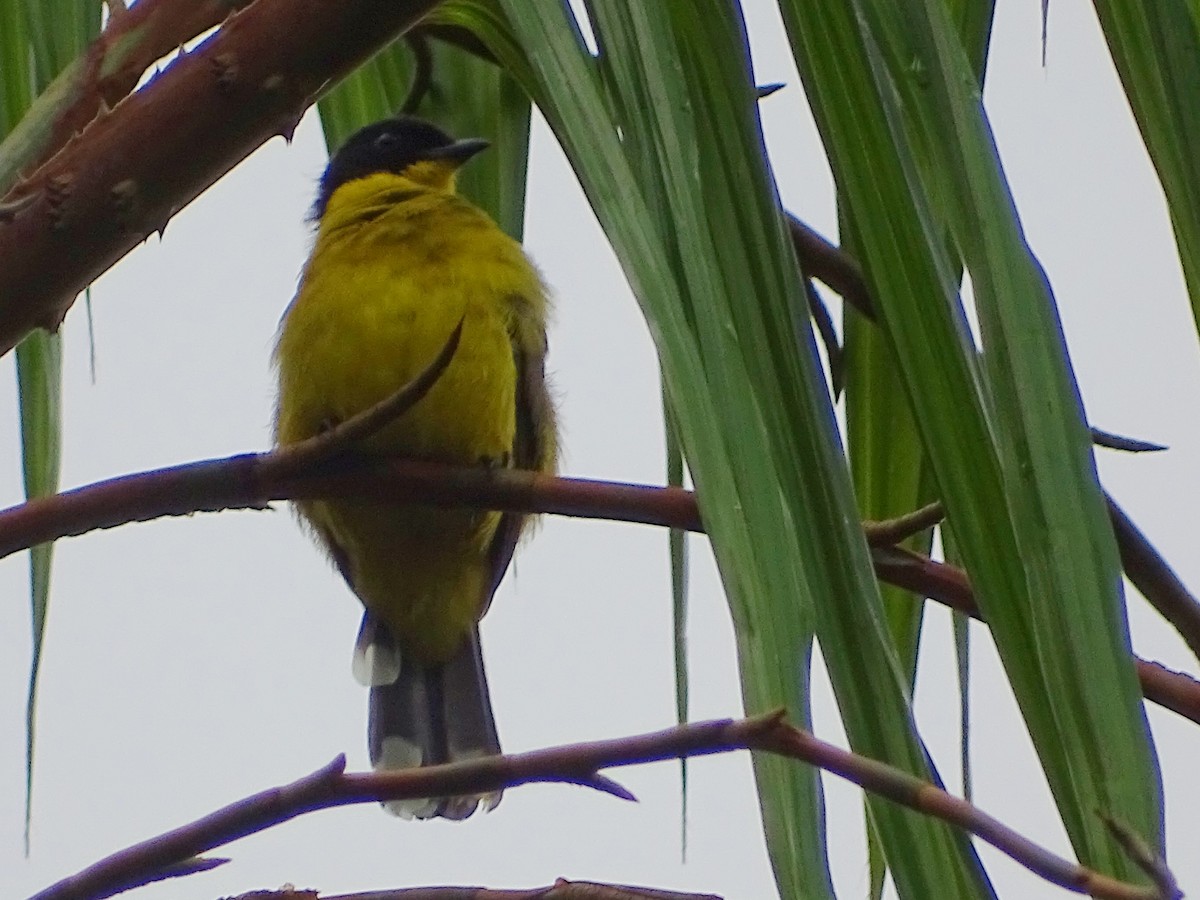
{"x":399,"y":261}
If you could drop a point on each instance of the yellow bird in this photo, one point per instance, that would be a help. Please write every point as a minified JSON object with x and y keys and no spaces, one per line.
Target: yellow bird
{"x":399,"y":260}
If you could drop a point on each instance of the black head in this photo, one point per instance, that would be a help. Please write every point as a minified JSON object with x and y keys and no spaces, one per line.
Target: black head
{"x":393,"y":145}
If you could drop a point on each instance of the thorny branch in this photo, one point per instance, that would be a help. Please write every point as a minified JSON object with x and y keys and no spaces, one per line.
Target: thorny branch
{"x":581,"y":764}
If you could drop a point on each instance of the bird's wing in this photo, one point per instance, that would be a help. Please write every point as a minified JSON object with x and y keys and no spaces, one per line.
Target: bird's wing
{"x":532,"y":450}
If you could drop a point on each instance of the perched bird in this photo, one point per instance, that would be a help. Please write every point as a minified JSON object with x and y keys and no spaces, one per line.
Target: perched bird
{"x":400,"y":259}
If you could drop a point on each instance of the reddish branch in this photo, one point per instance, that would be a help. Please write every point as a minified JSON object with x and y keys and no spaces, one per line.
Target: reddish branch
{"x":821,"y":259}
{"x":252,"y":480}
{"x":950,"y":585}
{"x":560,"y":890}
{"x":1154,"y":577}
{"x":1149,"y":572}
{"x":577,"y":764}
{"x":132,"y":168}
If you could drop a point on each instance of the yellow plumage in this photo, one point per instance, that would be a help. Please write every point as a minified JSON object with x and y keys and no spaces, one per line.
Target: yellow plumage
{"x":399,"y":260}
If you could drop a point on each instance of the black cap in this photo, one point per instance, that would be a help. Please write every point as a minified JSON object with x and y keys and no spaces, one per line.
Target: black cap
{"x":390,"y":146}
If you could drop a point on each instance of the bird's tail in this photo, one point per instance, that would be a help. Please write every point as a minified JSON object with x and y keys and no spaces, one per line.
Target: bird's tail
{"x":426,"y":715}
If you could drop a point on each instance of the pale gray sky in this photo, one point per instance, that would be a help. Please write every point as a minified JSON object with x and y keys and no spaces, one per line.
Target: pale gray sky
{"x":190,"y":662}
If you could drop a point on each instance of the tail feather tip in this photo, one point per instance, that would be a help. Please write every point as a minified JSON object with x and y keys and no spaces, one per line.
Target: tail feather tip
{"x":376,"y":664}
{"x":399,"y":753}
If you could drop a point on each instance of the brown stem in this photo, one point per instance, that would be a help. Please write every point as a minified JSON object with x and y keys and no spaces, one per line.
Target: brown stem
{"x":893,"y":531}
{"x":947,"y":584}
{"x":125,"y":176}
{"x":1176,"y":691}
{"x":251,"y":481}
{"x":1154,"y":577}
{"x":422,"y":77}
{"x":825,"y":261}
{"x":332,"y":786}
{"x":560,"y":890}
{"x":1147,"y":858}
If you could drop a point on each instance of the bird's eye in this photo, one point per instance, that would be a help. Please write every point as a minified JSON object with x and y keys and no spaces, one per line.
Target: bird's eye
{"x":386,"y":141}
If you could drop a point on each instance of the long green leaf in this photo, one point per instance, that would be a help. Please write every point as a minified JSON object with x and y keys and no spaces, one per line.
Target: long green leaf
{"x":1017,"y":477}
{"x":37,"y":44}
{"x":886,"y":464}
{"x":890,"y":478}
{"x":16,"y":89}
{"x":891,"y":475}
{"x":39,"y":382}
{"x":1075,"y":607}
{"x":962,"y":656}
{"x":677,"y":540}
{"x":1156,"y":49}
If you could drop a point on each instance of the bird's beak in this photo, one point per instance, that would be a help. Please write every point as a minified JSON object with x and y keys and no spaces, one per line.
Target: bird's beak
{"x":460,"y":151}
